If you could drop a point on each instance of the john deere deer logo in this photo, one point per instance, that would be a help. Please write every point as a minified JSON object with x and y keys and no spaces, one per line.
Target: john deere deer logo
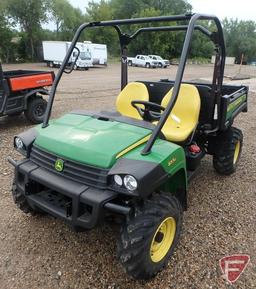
{"x":59,"y":165}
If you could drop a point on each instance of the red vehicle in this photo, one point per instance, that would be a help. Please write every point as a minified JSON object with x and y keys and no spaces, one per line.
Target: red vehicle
{"x":23,"y":91}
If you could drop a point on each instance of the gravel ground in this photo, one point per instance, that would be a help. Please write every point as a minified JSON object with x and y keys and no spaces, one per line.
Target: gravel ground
{"x":42,"y":252}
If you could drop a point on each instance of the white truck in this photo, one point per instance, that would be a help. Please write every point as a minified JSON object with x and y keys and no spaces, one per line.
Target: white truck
{"x":142,"y":60}
{"x":161,"y":62}
{"x":55,"y":52}
{"x":99,"y":53}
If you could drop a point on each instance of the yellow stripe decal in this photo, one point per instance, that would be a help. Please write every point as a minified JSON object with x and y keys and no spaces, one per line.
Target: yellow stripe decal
{"x":131,"y":147}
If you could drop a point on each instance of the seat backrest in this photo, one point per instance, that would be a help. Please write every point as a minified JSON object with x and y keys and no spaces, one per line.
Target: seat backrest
{"x":187,"y":106}
{"x":132,"y":91}
{"x":157,"y":90}
{"x":207,"y":104}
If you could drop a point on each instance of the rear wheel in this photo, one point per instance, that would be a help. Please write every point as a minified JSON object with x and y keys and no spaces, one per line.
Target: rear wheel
{"x":51,"y":64}
{"x":36,"y":110}
{"x":130,"y":63}
{"x":149,"y":237}
{"x":226,"y":160}
{"x":160,"y":65}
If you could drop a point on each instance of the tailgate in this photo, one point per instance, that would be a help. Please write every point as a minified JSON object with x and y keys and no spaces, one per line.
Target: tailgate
{"x":232,"y":105}
{"x":31,"y":81}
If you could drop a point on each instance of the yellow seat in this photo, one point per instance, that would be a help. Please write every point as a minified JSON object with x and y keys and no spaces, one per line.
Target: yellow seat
{"x":132,"y":91}
{"x":184,"y":115}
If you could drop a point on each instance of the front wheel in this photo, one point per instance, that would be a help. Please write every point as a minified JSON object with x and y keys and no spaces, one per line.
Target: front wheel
{"x":36,"y":110}
{"x":147,"y":65}
{"x":225,"y":161}
{"x":149,"y":238}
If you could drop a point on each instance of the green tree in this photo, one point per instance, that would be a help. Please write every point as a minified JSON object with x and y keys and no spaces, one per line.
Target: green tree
{"x":29,"y":15}
{"x":202,"y":46}
{"x":147,"y":42}
{"x":66,"y":18}
{"x":127,"y":9}
{"x":5,"y":36}
{"x":99,"y":12}
{"x":60,"y":12}
{"x":71,"y":23}
{"x":240,"y":38}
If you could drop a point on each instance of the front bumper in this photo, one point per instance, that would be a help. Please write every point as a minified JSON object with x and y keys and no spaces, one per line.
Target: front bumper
{"x":77,"y":204}
{"x":163,"y":64}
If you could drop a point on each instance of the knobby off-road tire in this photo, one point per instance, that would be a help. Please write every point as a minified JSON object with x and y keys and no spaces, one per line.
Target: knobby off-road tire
{"x":21,"y":201}
{"x":226,"y":160}
{"x":149,"y":237}
{"x":36,"y":110}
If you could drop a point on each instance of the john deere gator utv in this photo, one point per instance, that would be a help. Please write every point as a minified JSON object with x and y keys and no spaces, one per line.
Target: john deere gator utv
{"x":136,"y":162}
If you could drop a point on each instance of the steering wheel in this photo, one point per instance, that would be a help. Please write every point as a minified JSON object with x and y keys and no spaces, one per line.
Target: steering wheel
{"x":146,"y":112}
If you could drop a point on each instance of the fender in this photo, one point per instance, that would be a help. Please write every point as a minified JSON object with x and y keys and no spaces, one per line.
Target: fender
{"x":42,"y":91}
{"x":28,"y":137}
{"x":149,"y":176}
{"x":155,"y":171}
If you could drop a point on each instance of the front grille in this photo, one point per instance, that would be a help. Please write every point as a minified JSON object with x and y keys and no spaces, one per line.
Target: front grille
{"x":82,"y":173}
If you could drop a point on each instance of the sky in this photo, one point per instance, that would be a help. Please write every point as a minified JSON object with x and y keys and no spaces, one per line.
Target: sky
{"x":243,"y":10}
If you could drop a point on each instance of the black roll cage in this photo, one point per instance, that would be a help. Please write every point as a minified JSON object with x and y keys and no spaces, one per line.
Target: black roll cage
{"x":124,"y":39}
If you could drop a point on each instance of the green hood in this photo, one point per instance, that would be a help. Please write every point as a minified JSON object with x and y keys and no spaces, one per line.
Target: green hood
{"x":88,"y":140}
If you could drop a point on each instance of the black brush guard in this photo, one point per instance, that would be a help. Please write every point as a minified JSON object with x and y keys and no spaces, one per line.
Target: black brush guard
{"x":79,"y":205}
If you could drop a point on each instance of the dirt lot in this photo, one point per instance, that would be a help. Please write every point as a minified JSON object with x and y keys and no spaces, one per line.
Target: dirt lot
{"x":42,"y":252}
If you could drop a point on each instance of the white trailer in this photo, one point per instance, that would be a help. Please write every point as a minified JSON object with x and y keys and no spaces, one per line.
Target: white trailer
{"x":55,"y":52}
{"x":99,"y":53}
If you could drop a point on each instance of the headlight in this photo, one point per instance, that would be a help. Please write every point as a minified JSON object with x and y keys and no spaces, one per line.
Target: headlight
{"x":20,"y":146}
{"x":118,"y":180}
{"x":130,"y":183}
{"x":19,"y":143}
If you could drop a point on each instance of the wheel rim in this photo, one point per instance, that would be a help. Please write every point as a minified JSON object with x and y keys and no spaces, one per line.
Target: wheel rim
{"x":163,"y":239}
{"x":39,"y":111}
{"x":237,"y":151}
